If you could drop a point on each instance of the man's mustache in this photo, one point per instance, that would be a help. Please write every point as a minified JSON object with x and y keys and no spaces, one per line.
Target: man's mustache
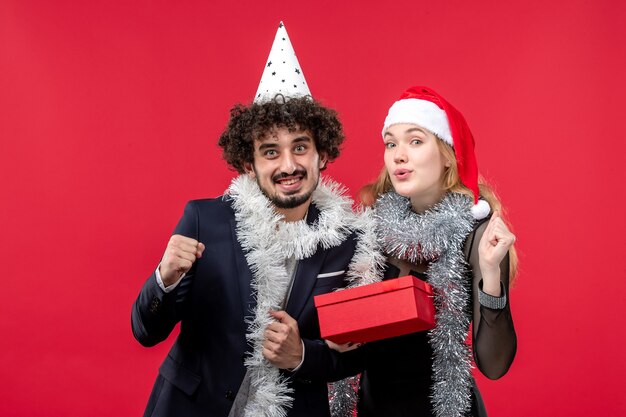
{"x":298,"y":172}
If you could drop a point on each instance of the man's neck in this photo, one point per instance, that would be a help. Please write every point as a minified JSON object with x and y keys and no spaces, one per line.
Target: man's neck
{"x":295,"y":214}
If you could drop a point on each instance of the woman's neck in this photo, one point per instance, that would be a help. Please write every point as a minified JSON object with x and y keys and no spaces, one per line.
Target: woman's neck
{"x":423,"y":202}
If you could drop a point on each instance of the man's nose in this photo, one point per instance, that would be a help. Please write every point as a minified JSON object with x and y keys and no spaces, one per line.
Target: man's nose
{"x":287,"y":163}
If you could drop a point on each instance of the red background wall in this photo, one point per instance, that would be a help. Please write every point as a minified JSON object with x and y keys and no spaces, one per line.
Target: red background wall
{"x":109,"y":117}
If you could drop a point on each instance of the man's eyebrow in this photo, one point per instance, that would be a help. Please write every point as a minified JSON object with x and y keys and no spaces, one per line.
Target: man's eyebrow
{"x":303,"y":138}
{"x":271,"y":145}
{"x":267,"y":145}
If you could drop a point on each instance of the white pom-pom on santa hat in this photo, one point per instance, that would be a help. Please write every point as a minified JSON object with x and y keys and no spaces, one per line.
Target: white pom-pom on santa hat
{"x":481,"y":209}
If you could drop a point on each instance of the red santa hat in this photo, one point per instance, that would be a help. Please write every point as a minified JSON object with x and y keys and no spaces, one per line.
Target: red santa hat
{"x":424,"y":107}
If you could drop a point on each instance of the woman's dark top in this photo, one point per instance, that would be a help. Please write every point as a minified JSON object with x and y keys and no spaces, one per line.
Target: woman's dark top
{"x":396,"y":379}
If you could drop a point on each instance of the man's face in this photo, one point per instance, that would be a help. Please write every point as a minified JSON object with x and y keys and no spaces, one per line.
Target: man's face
{"x":286,"y":166}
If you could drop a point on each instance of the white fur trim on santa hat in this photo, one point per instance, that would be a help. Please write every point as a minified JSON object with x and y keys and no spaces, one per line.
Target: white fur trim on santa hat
{"x":481,"y":209}
{"x":423,"y":113}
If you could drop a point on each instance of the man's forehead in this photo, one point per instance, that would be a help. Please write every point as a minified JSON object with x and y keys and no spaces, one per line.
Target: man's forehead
{"x":274,"y":135}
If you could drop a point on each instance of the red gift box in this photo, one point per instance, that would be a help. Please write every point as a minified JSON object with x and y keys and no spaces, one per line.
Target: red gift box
{"x":376,"y":311}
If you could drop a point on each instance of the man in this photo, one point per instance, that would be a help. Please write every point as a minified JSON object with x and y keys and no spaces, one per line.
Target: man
{"x":240,"y":271}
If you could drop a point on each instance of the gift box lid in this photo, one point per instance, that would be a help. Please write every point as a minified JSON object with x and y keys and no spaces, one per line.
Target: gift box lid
{"x":372,"y":289}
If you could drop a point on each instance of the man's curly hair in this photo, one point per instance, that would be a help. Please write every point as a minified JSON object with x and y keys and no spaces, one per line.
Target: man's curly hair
{"x":252,"y":122}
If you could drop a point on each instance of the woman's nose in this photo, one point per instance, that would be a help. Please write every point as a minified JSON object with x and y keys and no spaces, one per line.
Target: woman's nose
{"x":399,"y":155}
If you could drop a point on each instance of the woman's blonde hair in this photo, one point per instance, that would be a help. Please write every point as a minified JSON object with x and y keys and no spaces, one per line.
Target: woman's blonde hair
{"x":451,"y":183}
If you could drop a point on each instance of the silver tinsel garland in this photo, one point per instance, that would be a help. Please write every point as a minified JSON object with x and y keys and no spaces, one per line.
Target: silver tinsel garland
{"x":343,"y":396}
{"x":437,"y":236}
{"x":267,"y":241}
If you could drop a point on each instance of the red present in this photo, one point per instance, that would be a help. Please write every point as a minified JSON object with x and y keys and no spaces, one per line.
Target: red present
{"x":376,"y":311}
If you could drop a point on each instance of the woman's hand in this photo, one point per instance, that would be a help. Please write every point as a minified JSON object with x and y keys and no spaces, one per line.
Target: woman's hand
{"x":346,"y":347}
{"x":493,"y":247}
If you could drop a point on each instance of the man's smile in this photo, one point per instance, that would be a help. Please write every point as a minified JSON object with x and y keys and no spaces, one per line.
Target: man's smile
{"x":290,"y":182}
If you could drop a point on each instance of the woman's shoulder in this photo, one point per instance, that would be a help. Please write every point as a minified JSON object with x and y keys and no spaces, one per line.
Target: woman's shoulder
{"x":471,"y":242}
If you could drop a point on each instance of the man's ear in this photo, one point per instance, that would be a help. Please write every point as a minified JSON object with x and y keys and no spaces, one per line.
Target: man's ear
{"x":323,"y":161}
{"x":249,"y":169}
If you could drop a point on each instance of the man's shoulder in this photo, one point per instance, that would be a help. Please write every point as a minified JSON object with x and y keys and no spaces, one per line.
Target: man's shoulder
{"x":217,"y":206}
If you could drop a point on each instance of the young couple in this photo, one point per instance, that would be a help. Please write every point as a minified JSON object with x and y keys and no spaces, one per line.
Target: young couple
{"x":240,"y":271}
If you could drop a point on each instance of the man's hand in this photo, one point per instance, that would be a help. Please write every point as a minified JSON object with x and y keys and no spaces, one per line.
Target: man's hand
{"x":179,"y":256}
{"x":283,"y":346}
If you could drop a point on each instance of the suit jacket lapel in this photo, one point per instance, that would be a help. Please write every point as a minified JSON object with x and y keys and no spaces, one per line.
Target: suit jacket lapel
{"x":244,"y":276}
{"x":306,"y":274}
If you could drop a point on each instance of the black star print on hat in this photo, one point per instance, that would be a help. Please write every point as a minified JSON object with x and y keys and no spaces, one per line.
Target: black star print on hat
{"x":285,"y":74}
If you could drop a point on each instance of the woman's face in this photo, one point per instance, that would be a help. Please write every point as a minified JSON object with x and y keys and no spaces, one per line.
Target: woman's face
{"x":415,"y":164}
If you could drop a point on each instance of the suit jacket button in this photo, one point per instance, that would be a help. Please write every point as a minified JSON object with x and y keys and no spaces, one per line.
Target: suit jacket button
{"x":154,"y":305}
{"x":229,"y":395}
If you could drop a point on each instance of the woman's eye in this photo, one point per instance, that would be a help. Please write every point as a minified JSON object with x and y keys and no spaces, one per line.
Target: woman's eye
{"x":415,"y":141}
{"x":390,"y":145}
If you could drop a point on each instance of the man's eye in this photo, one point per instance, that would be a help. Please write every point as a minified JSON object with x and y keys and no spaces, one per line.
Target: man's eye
{"x":390,"y":145}
{"x":300,"y":148}
{"x":270,"y":153}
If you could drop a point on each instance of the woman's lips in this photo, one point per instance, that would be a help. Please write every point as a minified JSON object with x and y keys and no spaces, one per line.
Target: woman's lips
{"x":402,"y":174}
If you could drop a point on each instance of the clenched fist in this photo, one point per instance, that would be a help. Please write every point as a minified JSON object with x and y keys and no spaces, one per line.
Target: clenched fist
{"x":179,"y":256}
{"x":493,"y":247}
{"x":283,"y":346}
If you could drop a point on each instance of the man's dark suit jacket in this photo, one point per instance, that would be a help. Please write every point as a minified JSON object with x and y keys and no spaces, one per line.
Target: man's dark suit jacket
{"x":202,"y":372}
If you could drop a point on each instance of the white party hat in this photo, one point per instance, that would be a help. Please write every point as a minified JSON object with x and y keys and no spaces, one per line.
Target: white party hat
{"x":282,"y":73}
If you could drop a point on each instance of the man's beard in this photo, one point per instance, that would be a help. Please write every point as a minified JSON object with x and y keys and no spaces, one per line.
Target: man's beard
{"x":288,"y":202}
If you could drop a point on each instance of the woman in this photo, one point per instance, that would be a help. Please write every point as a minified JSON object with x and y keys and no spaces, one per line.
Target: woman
{"x":436,"y":223}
